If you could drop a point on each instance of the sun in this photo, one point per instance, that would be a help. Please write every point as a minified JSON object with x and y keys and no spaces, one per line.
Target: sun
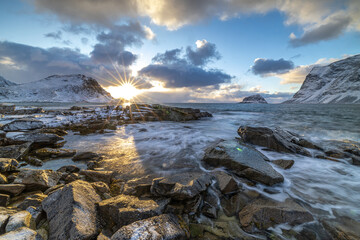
{"x":127,"y":91}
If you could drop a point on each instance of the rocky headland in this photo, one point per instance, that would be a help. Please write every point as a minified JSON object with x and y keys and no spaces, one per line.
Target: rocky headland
{"x":215,"y":201}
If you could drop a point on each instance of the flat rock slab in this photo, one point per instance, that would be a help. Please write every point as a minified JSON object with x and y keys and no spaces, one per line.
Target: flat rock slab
{"x":8,"y":164}
{"x":181,"y":186}
{"x":22,"y":233}
{"x":264,"y":213}
{"x":44,"y":153}
{"x":163,"y":227}
{"x":15,"y":151}
{"x":23,"y":124}
{"x":125,"y":209}
{"x":40,"y":139}
{"x":242,"y":160}
{"x":71,"y":211}
{"x":276,"y":139}
{"x":35,"y":179}
{"x":12,"y":189}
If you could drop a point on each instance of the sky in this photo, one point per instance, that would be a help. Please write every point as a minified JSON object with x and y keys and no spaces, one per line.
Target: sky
{"x":179,"y":50}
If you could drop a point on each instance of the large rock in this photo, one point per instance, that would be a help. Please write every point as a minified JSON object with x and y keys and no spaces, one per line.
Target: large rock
{"x":17,"y":152}
{"x":242,"y":160}
{"x":5,"y":214}
{"x":22,"y":233}
{"x":45,"y":153}
{"x":163,"y":227}
{"x":95,"y":176}
{"x":277,"y":139}
{"x":23,"y":124}
{"x":125,"y":209}
{"x":36,"y":179}
{"x":8,"y":164}
{"x":18,"y":220}
{"x":71,"y":211}
{"x":342,"y":228}
{"x":12,"y":189}
{"x":38,"y":139}
{"x":181,"y":186}
{"x":265,"y":213}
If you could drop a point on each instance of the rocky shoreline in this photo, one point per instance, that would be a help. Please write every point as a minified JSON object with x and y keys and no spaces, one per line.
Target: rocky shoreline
{"x":217,"y":201}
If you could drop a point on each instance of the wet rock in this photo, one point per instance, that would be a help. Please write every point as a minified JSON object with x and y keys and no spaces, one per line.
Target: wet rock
{"x":101,"y":188}
{"x":32,"y":200}
{"x":4,"y":200}
{"x":56,"y":131}
{"x":181,"y":186}
{"x":12,"y":189}
{"x":6,"y":108}
{"x":139,"y":186}
{"x":232,"y":205}
{"x":75,"y":108}
{"x":34,"y":161}
{"x":210,"y":205}
{"x":71,"y":211}
{"x":37,"y":179}
{"x":38,"y":140}
{"x":342,"y":228}
{"x":277,"y":139}
{"x":96,"y":176}
{"x":163,"y":227}
{"x":355,"y":160}
{"x":69,"y":169}
{"x":22,"y":233}
{"x":335,"y":153}
{"x":177,"y":114}
{"x":45,"y":153}
{"x":283,"y":163}
{"x":17,"y":152}
{"x":242,"y":160}
{"x":18,"y":220}
{"x":8,"y":164}
{"x":86,"y":156}
{"x":116,"y":187}
{"x":124,"y":209}
{"x":23,"y":124}
{"x":226,"y":183}
{"x":264,"y":213}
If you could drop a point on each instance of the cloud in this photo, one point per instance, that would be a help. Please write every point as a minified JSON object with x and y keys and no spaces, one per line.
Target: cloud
{"x":54,"y":35}
{"x":265,"y":67}
{"x":329,"y":29}
{"x":111,"y":46}
{"x":204,"y":53}
{"x":84,"y":40}
{"x":176,"y":70}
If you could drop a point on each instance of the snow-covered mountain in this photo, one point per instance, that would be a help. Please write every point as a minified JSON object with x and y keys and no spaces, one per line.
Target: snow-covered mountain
{"x":56,"y":88}
{"x":6,"y":83}
{"x":338,"y":82}
{"x":254,"y":99}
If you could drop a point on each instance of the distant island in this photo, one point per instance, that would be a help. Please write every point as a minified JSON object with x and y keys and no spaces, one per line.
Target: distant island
{"x":257,"y":98}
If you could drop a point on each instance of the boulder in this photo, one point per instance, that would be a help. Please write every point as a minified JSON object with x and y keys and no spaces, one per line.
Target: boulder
{"x":22,"y":233}
{"x":32,"y":200}
{"x":18,"y":220}
{"x":45,"y":153}
{"x":163,"y":227}
{"x":264,"y":213}
{"x":36,"y":179}
{"x":86,"y":156}
{"x":233,"y":204}
{"x":69,"y":169}
{"x":8,"y":164}
{"x":12,"y":189}
{"x":23,"y":124}
{"x":17,"y":152}
{"x":37,"y":213}
{"x":226,"y":183}
{"x":181,"y":186}
{"x":5,"y":214}
{"x":243,"y":160}
{"x":38,"y":140}
{"x":283,"y":163}
{"x":125,"y":209}
{"x":278,"y":140}
{"x":95,"y":176}
{"x":71,"y":211}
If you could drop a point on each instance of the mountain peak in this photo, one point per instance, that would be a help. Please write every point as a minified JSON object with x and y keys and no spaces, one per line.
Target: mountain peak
{"x":6,"y":83}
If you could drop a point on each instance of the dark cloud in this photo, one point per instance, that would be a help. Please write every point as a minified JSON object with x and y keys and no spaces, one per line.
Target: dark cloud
{"x":268,"y":66}
{"x":77,"y":29}
{"x":54,"y":35}
{"x":84,"y":40}
{"x":177,"y":71}
{"x":204,"y":53}
{"x":111,"y":46}
{"x":332,"y":29}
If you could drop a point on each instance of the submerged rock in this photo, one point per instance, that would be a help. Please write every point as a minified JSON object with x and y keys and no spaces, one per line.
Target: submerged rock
{"x":342,"y":228}
{"x":71,"y":211}
{"x":124,"y":209}
{"x":283,"y":163}
{"x":23,"y":124}
{"x":277,"y":139}
{"x":37,"y":179}
{"x":242,"y":160}
{"x":86,"y":156}
{"x":181,"y":186}
{"x":264,"y":213}
{"x":33,"y":161}
{"x":45,"y":153}
{"x":163,"y":227}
